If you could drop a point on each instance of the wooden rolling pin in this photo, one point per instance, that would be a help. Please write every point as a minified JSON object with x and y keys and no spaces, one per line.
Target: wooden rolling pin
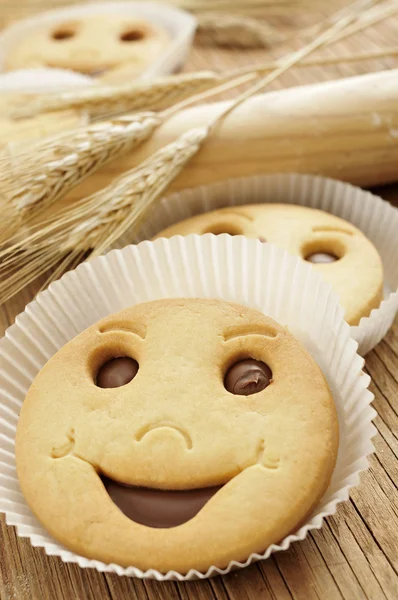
{"x":346,"y":129}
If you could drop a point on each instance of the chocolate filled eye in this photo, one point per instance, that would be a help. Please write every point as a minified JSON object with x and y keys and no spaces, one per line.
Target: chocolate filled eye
{"x":64,"y":33}
{"x":133,"y":35}
{"x":247,"y":377}
{"x":117,"y":372}
{"x":321,"y":257}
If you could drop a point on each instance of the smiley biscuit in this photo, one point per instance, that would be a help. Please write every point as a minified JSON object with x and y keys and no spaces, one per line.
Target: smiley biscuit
{"x":339,"y":251}
{"x":103,"y":45}
{"x":177,"y":434}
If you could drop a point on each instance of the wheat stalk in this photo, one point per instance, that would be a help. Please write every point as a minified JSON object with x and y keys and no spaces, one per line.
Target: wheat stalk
{"x":235,"y":30}
{"x":374,"y":15}
{"x":243,"y":7}
{"x":314,"y":30}
{"x":325,"y":61}
{"x":101,"y":100}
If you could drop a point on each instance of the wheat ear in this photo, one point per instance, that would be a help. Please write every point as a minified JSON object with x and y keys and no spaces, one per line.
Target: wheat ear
{"x":102,"y":100}
{"x":125,"y":202}
{"x":68,"y":162}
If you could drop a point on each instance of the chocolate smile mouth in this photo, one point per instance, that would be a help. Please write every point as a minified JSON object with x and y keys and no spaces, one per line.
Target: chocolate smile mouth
{"x":164,"y":509}
{"x":158,"y":508}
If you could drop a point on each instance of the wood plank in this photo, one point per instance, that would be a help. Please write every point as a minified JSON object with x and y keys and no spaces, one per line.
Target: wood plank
{"x":305,"y":572}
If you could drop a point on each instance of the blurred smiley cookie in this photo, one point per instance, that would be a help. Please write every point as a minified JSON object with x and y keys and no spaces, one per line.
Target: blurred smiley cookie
{"x":340,"y":252}
{"x":177,"y":434}
{"x":102,"y":45}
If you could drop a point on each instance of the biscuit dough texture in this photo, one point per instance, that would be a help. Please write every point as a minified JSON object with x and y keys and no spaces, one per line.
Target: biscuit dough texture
{"x":176,"y":427}
{"x":102,"y":45}
{"x":357,"y":276}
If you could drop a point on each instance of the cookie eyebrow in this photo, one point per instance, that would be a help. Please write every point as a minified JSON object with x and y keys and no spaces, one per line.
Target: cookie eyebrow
{"x":248,"y":329}
{"x":135,"y":329}
{"x":331,"y":229}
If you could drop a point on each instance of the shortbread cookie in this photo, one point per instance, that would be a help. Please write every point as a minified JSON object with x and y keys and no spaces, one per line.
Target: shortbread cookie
{"x":95,"y":45}
{"x":340,"y":252}
{"x":177,"y":434}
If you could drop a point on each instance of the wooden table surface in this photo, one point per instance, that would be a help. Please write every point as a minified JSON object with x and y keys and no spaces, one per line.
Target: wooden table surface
{"x":355,"y":555}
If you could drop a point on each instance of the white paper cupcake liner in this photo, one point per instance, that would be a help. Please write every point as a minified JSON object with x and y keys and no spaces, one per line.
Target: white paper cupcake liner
{"x":232,"y":268}
{"x":374,"y":216}
{"x":180,"y":25}
{"x":37,"y":81}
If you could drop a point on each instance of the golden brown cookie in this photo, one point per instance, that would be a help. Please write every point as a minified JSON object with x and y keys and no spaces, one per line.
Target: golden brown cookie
{"x":216,"y":417}
{"x":95,"y":45}
{"x":340,"y":252}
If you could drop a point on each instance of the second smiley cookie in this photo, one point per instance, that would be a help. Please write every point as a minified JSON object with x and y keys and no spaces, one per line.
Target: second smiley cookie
{"x":340,"y":252}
